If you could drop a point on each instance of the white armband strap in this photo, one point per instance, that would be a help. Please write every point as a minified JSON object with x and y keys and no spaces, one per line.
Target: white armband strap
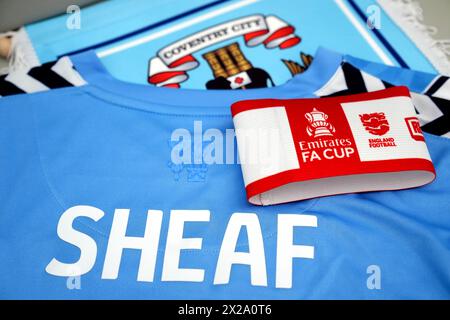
{"x":304,"y":148}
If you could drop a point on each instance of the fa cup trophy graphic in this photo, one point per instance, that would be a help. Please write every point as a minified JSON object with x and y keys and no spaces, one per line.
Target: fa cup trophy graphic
{"x":318,"y":124}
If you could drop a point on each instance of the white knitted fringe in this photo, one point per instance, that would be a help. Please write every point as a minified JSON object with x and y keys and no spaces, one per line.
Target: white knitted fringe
{"x":21,"y":55}
{"x":408,"y":15}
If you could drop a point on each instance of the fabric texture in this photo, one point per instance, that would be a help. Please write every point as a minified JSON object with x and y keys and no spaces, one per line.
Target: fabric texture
{"x":88,"y":171}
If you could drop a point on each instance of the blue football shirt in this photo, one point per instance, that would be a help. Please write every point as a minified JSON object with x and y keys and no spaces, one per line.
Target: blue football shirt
{"x":92,"y":206}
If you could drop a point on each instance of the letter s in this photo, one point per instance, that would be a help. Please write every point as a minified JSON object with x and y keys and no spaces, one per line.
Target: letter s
{"x":86,"y":244}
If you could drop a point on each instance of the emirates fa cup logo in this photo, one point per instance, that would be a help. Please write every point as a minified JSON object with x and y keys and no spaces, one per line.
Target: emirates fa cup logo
{"x":318,"y":124}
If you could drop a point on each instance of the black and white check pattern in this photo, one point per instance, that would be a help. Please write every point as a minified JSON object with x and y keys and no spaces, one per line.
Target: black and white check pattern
{"x":438,"y":93}
{"x":48,"y":76}
{"x":432,"y":105}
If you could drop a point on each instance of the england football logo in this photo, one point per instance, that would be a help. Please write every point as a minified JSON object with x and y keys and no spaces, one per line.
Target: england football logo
{"x":375,"y":123}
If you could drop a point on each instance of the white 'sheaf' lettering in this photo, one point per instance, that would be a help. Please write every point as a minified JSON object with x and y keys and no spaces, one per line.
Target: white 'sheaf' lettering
{"x":255,"y":257}
{"x":148,"y":244}
{"x":286,"y":250}
{"x":118,"y":241}
{"x":86,"y":244}
{"x":176,"y":243}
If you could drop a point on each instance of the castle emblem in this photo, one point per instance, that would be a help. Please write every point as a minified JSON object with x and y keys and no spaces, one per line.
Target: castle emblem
{"x":232,"y":70}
